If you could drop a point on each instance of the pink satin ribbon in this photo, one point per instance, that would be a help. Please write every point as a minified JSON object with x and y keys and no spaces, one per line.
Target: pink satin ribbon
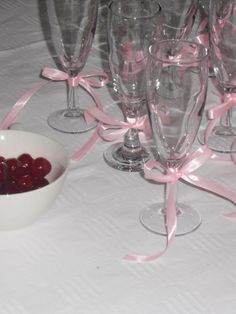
{"x":216,"y":112}
{"x":172,"y":176}
{"x":87,"y":81}
{"x":19,"y":105}
{"x":111,"y":129}
{"x":202,"y":37}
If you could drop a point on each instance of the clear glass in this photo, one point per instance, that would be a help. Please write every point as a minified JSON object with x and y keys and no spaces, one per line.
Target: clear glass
{"x":73,"y":25}
{"x":177,"y":75}
{"x":132,"y":25}
{"x":178,"y":18}
{"x":222,"y":24}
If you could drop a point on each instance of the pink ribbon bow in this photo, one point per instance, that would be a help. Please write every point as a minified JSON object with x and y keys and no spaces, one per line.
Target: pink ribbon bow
{"x":57,"y":75}
{"x":87,"y":81}
{"x":83,"y":80}
{"x":172,"y":176}
{"x":111,"y":129}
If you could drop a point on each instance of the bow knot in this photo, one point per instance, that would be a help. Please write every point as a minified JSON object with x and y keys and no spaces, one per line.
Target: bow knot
{"x":175,"y":174}
{"x":194,"y":161}
{"x":111,"y":129}
{"x":95,"y":79}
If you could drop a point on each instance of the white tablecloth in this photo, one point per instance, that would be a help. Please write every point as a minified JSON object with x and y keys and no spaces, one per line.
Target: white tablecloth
{"x":70,"y":260}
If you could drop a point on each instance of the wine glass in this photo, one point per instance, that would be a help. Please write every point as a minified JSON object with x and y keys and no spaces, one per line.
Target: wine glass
{"x":177,"y":74}
{"x":73,"y":25}
{"x":222,"y":24}
{"x":131,"y":27}
{"x":178,"y":18}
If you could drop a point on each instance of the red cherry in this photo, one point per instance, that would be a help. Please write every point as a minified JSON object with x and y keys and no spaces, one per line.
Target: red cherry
{"x":24,"y":183}
{"x":41,"y":167}
{"x":11,"y":186}
{"x":21,"y":171}
{"x":40,"y":182}
{"x":2,"y":159}
{"x":3,"y":190}
{"x":3,"y":172}
{"x":12,"y":164}
{"x":26,"y":160}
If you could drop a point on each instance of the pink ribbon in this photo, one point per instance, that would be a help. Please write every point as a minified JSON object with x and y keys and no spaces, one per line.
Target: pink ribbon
{"x":172,"y":176}
{"x":18,"y":106}
{"x":215,"y":113}
{"x":88,"y":84}
{"x":111,"y":129}
{"x":202,"y":37}
{"x":87,"y":81}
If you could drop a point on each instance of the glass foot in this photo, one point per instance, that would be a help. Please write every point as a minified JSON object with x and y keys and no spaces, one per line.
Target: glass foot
{"x":67,"y":122}
{"x":220,"y":140}
{"x":153,"y":219}
{"x":119,"y":158}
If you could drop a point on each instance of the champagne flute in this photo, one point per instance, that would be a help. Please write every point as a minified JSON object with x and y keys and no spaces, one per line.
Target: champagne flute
{"x":131,"y":27}
{"x":73,"y":25}
{"x":222,"y":25}
{"x":177,"y":74}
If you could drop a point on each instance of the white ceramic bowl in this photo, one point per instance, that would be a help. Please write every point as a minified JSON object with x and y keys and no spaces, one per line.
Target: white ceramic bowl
{"x":22,"y":209}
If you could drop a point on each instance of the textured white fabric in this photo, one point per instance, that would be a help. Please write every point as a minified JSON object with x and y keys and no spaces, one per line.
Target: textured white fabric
{"x":70,"y":260}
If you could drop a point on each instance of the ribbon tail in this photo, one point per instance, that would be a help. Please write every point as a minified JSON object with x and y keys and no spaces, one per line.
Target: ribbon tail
{"x":231,"y":214}
{"x":214,"y":188}
{"x":171,"y":224}
{"x":86,"y":147}
{"x":209,"y":129}
{"x":215,"y":114}
{"x":171,"y":218}
{"x":144,"y":258}
{"x":111,"y":135}
{"x":19,"y":105}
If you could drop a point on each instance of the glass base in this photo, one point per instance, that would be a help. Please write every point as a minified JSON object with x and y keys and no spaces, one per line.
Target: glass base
{"x":220,"y":140}
{"x":66,"y":122}
{"x":153,"y":219}
{"x":119,"y":158}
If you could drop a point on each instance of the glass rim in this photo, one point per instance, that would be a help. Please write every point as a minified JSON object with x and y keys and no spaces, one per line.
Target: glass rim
{"x":135,"y":17}
{"x":179,"y":62}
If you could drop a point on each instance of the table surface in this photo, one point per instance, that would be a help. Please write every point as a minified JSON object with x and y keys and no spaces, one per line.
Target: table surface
{"x":71,"y":260}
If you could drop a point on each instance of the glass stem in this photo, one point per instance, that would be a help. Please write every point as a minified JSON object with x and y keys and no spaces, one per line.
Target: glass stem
{"x":226,"y":127}
{"x":72,"y":102}
{"x":226,"y":119}
{"x":131,"y":138}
